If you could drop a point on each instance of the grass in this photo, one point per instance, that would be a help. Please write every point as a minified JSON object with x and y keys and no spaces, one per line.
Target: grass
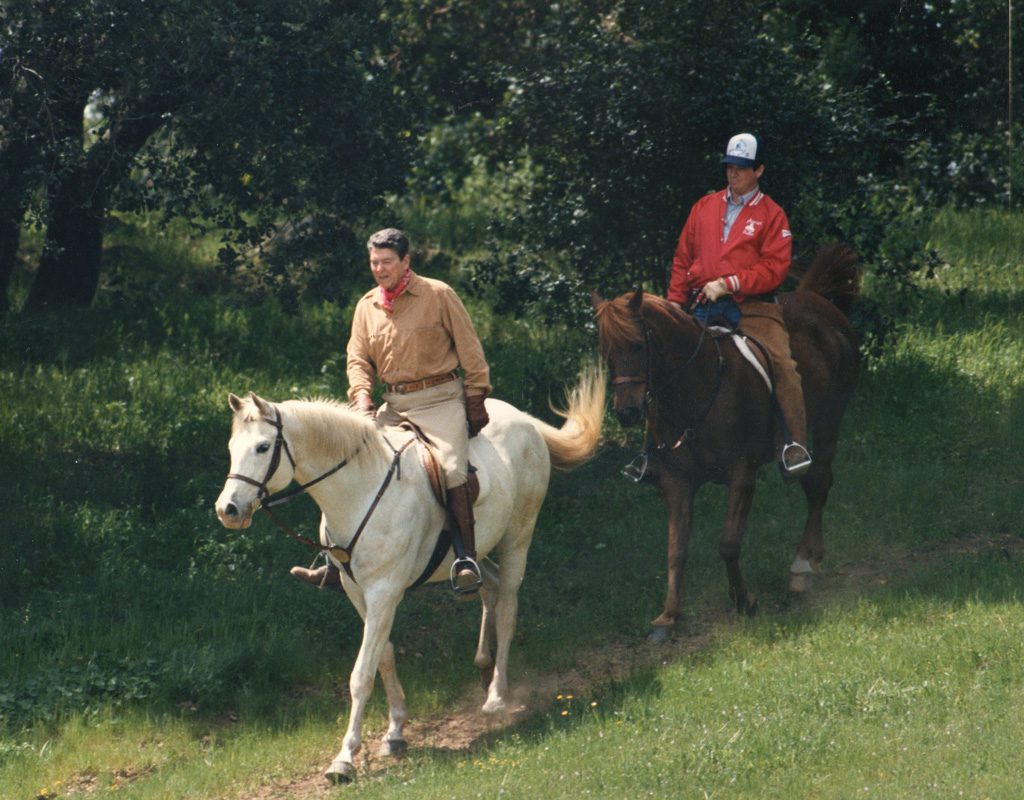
{"x":149,"y":653}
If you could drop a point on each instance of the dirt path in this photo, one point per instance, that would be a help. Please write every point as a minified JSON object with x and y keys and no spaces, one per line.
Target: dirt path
{"x":466,"y":727}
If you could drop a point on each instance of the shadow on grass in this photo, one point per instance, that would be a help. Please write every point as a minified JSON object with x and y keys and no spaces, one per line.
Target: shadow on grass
{"x":116,"y":554}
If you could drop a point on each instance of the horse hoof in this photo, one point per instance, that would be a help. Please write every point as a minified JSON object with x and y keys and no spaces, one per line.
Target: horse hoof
{"x":396,"y":748}
{"x":494,"y":707}
{"x":799,"y":582}
{"x":340,"y":772}
{"x":660,"y":634}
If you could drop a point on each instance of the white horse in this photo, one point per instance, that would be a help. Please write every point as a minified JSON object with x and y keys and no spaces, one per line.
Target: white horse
{"x":349,"y":462}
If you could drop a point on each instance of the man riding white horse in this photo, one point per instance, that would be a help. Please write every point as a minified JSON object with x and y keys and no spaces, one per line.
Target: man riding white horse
{"x":412,"y":333}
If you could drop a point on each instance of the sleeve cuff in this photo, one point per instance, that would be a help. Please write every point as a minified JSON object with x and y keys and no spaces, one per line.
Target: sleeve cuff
{"x":733,"y":283}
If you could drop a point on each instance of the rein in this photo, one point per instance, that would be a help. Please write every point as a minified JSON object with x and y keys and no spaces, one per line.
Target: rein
{"x":265,"y":500}
{"x":689,"y":432}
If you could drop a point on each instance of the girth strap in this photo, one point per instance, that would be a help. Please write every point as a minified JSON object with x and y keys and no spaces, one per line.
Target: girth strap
{"x":444,"y":544}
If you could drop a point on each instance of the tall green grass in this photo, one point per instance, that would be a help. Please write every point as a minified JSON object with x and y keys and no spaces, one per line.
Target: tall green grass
{"x":150,"y":653}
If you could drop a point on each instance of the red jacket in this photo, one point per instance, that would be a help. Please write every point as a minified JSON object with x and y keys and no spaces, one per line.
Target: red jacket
{"x":755,"y":258}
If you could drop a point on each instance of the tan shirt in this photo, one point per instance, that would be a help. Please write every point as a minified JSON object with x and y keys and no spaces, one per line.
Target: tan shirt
{"x":428,"y":333}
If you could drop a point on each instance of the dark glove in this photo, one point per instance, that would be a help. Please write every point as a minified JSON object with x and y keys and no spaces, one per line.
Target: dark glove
{"x":476,"y":414}
{"x":364,"y":405}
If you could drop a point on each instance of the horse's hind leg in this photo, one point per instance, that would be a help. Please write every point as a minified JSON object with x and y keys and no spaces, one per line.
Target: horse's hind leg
{"x":816,"y":485}
{"x":741,"y":495}
{"x":513,"y":567}
{"x":484,"y":659}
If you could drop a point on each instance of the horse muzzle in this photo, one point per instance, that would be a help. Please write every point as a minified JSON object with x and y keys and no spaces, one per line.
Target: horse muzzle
{"x":233,"y":514}
{"x":629,"y":416}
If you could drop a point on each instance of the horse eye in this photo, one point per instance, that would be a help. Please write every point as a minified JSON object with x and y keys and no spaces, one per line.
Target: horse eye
{"x":262,"y":448}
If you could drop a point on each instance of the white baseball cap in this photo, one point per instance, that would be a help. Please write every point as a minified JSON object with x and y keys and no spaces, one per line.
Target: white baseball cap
{"x":744,"y":150}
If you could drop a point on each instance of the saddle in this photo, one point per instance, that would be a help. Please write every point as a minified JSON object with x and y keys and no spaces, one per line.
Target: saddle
{"x":432,"y":466}
{"x":762,"y":366}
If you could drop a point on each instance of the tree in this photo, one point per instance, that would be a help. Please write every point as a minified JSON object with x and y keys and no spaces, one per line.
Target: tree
{"x":240,"y":113}
{"x":625,"y":113}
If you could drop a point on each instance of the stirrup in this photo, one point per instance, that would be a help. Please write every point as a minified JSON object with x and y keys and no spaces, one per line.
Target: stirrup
{"x":800,"y":466}
{"x":457,"y":566}
{"x":637,"y":468}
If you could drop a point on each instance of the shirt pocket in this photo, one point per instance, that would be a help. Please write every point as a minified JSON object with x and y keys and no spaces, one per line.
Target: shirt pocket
{"x":427,"y":347}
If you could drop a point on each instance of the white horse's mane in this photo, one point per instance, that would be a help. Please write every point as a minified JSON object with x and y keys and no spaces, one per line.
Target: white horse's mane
{"x":333,"y":429}
{"x":338,"y":430}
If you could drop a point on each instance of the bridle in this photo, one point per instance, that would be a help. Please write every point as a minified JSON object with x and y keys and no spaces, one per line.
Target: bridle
{"x":636,"y":470}
{"x":264,"y":500}
{"x":275,"y":460}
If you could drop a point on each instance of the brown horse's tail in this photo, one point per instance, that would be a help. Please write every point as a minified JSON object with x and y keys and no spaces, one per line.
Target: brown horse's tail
{"x":835,"y":275}
{"x":576,"y":441}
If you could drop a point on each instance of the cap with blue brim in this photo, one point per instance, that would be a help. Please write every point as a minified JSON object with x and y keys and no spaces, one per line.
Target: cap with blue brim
{"x":744,"y":150}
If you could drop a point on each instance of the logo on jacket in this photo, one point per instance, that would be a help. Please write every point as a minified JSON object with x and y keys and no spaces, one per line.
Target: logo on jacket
{"x":751,"y":227}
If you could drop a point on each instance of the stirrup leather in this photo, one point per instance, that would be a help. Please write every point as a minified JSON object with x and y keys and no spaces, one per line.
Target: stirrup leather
{"x":465,"y":563}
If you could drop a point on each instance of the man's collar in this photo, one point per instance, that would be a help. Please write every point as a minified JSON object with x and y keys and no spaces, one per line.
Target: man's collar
{"x":743,"y":199}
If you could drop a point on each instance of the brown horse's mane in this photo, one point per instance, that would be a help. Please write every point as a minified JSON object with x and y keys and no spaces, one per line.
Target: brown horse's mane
{"x":618,"y":326}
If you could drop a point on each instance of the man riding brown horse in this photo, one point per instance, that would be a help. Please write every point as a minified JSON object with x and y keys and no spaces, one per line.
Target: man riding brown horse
{"x":733,"y":253}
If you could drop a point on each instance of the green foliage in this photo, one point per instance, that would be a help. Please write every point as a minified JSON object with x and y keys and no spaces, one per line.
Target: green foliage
{"x":623,"y":125}
{"x":943,"y":70}
{"x":264,"y":118}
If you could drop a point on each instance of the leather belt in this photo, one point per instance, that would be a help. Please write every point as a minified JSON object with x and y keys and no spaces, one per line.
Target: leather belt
{"x":423,"y":383}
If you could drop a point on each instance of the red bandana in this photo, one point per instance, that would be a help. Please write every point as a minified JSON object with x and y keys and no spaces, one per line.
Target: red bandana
{"x":387,"y":298}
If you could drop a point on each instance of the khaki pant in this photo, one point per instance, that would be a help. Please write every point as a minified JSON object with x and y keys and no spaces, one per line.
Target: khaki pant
{"x":763,"y":322}
{"x":440,"y":412}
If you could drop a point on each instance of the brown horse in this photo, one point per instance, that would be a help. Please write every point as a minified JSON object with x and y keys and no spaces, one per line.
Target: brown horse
{"x":710,"y":415}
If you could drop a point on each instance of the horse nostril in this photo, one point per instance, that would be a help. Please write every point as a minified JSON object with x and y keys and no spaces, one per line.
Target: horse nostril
{"x":628,"y":416}
{"x":231,"y":510}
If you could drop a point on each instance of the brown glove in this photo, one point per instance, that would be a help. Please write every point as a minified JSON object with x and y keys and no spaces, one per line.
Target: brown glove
{"x":476,"y":414}
{"x":364,"y":405}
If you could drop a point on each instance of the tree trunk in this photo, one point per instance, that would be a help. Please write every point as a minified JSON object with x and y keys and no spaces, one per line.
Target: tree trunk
{"x":10,"y":237}
{"x":16,"y":162}
{"x":69,"y":268}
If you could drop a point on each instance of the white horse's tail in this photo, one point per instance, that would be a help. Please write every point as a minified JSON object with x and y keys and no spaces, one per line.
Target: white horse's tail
{"x":576,"y":441}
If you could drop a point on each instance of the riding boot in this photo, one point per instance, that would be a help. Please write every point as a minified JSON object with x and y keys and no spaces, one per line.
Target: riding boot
{"x":764,"y":322}
{"x":794,"y":458}
{"x":465,"y":577}
{"x":326,"y":577}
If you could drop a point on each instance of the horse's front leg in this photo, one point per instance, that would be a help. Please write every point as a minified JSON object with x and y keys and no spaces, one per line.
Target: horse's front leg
{"x":678,"y":493}
{"x":393,"y":743}
{"x":741,"y":496}
{"x":380,"y":614}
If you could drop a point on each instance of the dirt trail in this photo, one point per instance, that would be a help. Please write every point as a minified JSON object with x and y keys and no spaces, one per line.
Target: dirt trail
{"x":465,"y":726}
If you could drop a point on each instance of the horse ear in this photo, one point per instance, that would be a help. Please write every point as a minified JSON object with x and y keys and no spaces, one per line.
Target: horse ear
{"x":235,"y":402}
{"x":261,"y":405}
{"x":596,"y":300}
{"x":636,"y":300}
